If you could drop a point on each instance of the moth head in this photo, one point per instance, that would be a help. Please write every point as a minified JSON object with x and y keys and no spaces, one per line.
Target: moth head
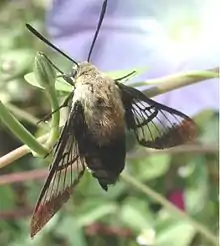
{"x":74,"y":71}
{"x":85,"y":68}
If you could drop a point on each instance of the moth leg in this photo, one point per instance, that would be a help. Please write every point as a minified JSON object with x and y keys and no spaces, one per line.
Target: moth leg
{"x":65,"y":104}
{"x":126,"y":76}
{"x":53,"y":65}
{"x":67,"y":78}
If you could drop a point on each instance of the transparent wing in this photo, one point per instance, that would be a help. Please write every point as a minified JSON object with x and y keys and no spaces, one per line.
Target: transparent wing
{"x":155,"y":125}
{"x":65,"y":173}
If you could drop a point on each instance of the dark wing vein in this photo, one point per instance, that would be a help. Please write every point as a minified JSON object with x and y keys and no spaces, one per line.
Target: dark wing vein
{"x":65,"y":173}
{"x":155,"y":125}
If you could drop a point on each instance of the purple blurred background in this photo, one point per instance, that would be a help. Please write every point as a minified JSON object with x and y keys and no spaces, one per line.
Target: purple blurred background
{"x":167,"y":36}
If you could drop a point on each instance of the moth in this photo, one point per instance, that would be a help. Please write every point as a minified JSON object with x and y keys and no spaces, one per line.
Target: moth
{"x":94,"y":135}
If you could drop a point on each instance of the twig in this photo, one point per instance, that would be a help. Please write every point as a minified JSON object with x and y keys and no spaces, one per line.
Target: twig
{"x":18,"y":153}
{"x":191,"y":148}
{"x":15,"y":214}
{"x":23,"y":176}
{"x":177,"y":81}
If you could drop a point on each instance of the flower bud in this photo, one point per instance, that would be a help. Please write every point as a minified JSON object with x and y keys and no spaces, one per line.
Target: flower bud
{"x":43,"y":71}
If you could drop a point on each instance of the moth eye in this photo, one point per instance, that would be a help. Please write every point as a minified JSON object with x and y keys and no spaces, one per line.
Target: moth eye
{"x":73,"y":73}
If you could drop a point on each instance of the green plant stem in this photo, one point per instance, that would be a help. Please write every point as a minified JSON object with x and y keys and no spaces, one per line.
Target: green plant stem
{"x":20,"y":132}
{"x":19,"y":152}
{"x":54,"y":133}
{"x":23,"y":115}
{"x":177,"y":81}
{"x":169,"y":206}
{"x":45,"y":75}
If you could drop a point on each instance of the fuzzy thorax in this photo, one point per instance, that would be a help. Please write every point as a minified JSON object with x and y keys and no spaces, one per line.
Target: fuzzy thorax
{"x":101,"y":100}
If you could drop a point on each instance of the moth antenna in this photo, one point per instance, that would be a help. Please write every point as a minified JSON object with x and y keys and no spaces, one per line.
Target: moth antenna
{"x":101,"y":17}
{"x":52,"y":64}
{"x":42,"y":38}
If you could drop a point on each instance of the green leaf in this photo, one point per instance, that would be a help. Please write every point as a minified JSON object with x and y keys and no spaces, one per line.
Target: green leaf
{"x":196,"y":195}
{"x":6,"y":198}
{"x":211,"y":131}
{"x":151,"y":167}
{"x":30,"y":78}
{"x":136,"y":214}
{"x":45,"y":74}
{"x":20,"y":131}
{"x":60,"y":84}
{"x":71,"y":232}
{"x":146,"y":237}
{"x":96,"y":214}
{"x":19,"y":59}
{"x":180,"y":233}
{"x":203,"y":116}
{"x":44,"y":71}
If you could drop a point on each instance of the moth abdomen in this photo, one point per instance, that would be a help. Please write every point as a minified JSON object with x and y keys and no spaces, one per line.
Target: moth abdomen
{"x":106,"y":161}
{"x":101,"y":138}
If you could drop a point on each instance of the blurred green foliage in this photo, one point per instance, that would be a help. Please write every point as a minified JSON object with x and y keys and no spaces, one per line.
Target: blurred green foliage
{"x":123,"y":215}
